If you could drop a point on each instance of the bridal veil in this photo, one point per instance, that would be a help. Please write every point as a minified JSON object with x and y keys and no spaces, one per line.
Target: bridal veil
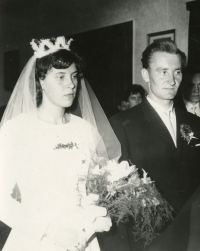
{"x":23,"y":100}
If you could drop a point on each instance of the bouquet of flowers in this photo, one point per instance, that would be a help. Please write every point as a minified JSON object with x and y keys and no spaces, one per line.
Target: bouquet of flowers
{"x":126,"y":197}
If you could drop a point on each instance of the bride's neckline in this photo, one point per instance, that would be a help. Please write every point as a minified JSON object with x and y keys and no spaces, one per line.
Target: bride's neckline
{"x":65,"y":119}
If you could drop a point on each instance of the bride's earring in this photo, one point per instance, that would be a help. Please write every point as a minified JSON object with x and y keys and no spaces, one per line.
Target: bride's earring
{"x":41,"y":85}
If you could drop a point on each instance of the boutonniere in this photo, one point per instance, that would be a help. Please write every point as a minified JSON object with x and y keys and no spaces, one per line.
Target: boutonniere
{"x":64,"y":146}
{"x":187,"y":133}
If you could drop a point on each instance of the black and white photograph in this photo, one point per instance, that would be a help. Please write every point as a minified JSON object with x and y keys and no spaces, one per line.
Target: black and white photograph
{"x":100,"y":125}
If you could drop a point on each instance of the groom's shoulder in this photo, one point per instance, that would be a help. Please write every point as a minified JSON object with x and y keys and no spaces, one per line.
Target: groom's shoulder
{"x":127,"y":116}
{"x":188,"y":118}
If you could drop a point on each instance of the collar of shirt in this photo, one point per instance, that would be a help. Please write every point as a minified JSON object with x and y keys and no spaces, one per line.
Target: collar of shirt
{"x":190,"y":107}
{"x":159,"y":109}
{"x":164,"y":115}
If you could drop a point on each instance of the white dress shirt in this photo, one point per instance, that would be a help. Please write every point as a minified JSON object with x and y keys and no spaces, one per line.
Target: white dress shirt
{"x":164,"y":115}
{"x":194,"y":109}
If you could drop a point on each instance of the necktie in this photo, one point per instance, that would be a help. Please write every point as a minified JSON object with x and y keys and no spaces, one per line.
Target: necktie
{"x":195,"y":108}
{"x":170,"y":127}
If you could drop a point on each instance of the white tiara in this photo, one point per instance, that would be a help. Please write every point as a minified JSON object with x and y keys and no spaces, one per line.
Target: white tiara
{"x":44,"y":47}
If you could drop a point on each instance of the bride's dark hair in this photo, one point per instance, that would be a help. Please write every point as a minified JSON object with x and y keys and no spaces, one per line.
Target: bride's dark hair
{"x":61,"y":59}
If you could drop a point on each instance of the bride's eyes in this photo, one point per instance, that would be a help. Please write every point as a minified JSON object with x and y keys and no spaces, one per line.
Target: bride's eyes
{"x":60,"y":77}
{"x":74,"y":76}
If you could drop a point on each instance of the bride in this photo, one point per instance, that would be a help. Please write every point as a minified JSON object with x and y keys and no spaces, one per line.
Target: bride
{"x":43,"y":150}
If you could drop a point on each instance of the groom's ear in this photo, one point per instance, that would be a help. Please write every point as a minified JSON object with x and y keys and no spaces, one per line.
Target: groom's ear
{"x":145,"y":75}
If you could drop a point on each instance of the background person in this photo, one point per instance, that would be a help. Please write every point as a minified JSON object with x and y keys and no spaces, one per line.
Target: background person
{"x":189,"y":96}
{"x":134,"y":95}
{"x":122,"y":104}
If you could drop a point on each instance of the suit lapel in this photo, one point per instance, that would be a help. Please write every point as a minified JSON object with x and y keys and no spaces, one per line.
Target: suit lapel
{"x":156,"y":124}
{"x":180,"y":139}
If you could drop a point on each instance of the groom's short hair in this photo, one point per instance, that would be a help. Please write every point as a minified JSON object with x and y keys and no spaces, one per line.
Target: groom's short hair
{"x":161,"y":45}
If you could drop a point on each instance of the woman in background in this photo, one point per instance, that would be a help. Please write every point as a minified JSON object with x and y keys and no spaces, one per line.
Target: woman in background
{"x":134,"y":95}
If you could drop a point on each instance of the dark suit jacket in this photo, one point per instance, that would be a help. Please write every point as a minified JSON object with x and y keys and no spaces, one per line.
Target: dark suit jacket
{"x":184,"y":232}
{"x":146,"y":142}
{"x":179,"y":103}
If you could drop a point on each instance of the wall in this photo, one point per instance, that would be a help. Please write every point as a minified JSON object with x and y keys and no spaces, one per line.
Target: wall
{"x":22,"y":20}
{"x":159,"y":15}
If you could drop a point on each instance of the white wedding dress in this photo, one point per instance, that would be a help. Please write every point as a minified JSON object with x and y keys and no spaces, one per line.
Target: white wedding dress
{"x":44,"y":160}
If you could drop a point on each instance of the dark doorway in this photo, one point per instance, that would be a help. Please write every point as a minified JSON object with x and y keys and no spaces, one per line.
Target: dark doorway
{"x":107,"y":55}
{"x":11,"y":69}
{"x":194,"y":33}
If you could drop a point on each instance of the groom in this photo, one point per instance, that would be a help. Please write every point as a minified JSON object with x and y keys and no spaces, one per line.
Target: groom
{"x":150,"y":134}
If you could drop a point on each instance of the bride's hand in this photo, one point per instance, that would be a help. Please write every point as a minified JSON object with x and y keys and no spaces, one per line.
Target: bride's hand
{"x":95,"y":215}
{"x":91,"y":199}
{"x":102,"y":224}
{"x":91,"y":210}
